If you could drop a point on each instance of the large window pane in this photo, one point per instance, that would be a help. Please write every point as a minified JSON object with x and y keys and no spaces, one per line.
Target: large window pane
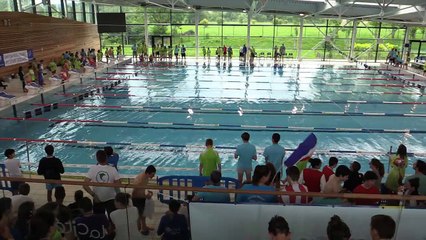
{"x":108,"y":9}
{"x":365,"y":42}
{"x":79,"y":11}
{"x":89,"y":18}
{"x":6,"y":6}
{"x":41,"y":8}
{"x":70,"y":10}
{"x":56,"y":8}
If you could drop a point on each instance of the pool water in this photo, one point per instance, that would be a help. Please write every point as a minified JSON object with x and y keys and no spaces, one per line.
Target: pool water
{"x":184,"y":105}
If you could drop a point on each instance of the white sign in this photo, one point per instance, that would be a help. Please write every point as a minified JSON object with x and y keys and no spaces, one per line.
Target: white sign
{"x":250,"y":221}
{"x":15,"y":58}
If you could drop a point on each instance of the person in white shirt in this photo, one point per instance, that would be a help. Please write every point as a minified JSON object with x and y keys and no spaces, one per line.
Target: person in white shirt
{"x":103,"y":197}
{"x":13,"y":166}
{"x":17,"y":200}
{"x":125,"y":218}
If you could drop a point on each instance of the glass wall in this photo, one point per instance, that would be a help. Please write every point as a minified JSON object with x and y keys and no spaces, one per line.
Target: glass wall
{"x":6,"y":6}
{"x":321,"y":38}
{"x":42,"y":9}
{"x":56,"y":8}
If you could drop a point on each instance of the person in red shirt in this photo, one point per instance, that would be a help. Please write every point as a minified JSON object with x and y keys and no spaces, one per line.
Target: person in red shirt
{"x":328,"y":170}
{"x":368,"y":187}
{"x":312,"y":177}
{"x":292,"y":185}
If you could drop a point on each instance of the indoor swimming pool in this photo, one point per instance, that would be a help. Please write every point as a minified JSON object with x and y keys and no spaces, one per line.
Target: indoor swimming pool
{"x":162,"y":114}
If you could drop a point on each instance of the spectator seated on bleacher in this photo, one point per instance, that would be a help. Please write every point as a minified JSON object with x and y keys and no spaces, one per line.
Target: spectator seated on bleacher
{"x":260,"y":177}
{"x":215,"y":177}
{"x":52,"y":67}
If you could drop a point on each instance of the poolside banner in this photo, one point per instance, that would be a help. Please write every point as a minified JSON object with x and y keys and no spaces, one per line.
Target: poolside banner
{"x":13,"y":58}
{"x":302,"y":153}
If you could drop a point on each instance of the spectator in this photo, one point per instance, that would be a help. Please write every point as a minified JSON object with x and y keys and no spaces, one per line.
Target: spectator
{"x":337,"y":229}
{"x":42,"y":226}
{"x":89,"y":224}
{"x":22,"y":78}
{"x":209,"y":53}
{"x":260,"y":177}
{"x":278,"y":229}
{"x":275,"y":154}
{"x":292,"y":185}
{"x":419,"y":170}
{"x":51,"y":168}
{"x":209,"y":160}
{"x":412,"y":189}
{"x":355,"y":178}
{"x":183,"y":52}
{"x":139,"y":195}
{"x":379,"y":169}
{"x":5,"y":215}
{"x":40,"y":76}
{"x":128,"y":229}
{"x":134,"y":51}
{"x":398,"y":163}
{"x":204,"y":52}
{"x":14,"y":167}
{"x":17,"y":200}
{"x":173,"y":226}
{"x":215,"y":177}
{"x":177,"y":52}
{"x":382,"y":227}
{"x":313,"y":177}
{"x":78,"y":196}
{"x":22,"y":225}
{"x":368,"y":187}
{"x":334,"y":184}
{"x":103,"y":197}
{"x":60,"y":195}
{"x":230,"y":53}
{"x":245,"y":153}
{"x":112,"y":157}
{"x":99,"y":55}
{"x":328,"y":170}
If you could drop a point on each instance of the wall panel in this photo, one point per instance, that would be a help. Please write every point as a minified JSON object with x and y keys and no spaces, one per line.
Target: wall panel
{"x":48,"y":37}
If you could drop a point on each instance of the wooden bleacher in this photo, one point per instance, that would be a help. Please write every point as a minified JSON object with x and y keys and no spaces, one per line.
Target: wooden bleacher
{"x":48,"y":37}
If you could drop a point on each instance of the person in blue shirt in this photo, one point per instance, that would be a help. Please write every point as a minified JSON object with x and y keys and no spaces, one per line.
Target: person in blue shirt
{"x":260,"y":177}
{"x":245,"y":153}
{"x":112,"y":157}
{"x":275,"y":154}
{"x":215,"y":177}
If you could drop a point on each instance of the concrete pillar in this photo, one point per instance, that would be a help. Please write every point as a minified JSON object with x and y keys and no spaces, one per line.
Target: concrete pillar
{"x":354,"y":30}
{"x":197,"y":21}
{"x":299,"y":45}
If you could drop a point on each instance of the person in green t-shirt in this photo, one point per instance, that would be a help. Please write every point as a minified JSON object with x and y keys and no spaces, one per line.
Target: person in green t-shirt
{"x":209,"y":160}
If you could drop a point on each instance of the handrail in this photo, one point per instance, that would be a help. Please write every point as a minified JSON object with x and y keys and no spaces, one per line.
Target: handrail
{"x":238,"y":191}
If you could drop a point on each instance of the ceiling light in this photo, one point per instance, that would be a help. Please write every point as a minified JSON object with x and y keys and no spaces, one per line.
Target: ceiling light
{"x":301,"y":14}
{"x":244,"y":11}
{"x":189,"y":7}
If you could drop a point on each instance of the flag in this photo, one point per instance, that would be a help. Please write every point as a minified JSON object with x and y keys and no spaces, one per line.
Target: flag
{"x":302,"y":153}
